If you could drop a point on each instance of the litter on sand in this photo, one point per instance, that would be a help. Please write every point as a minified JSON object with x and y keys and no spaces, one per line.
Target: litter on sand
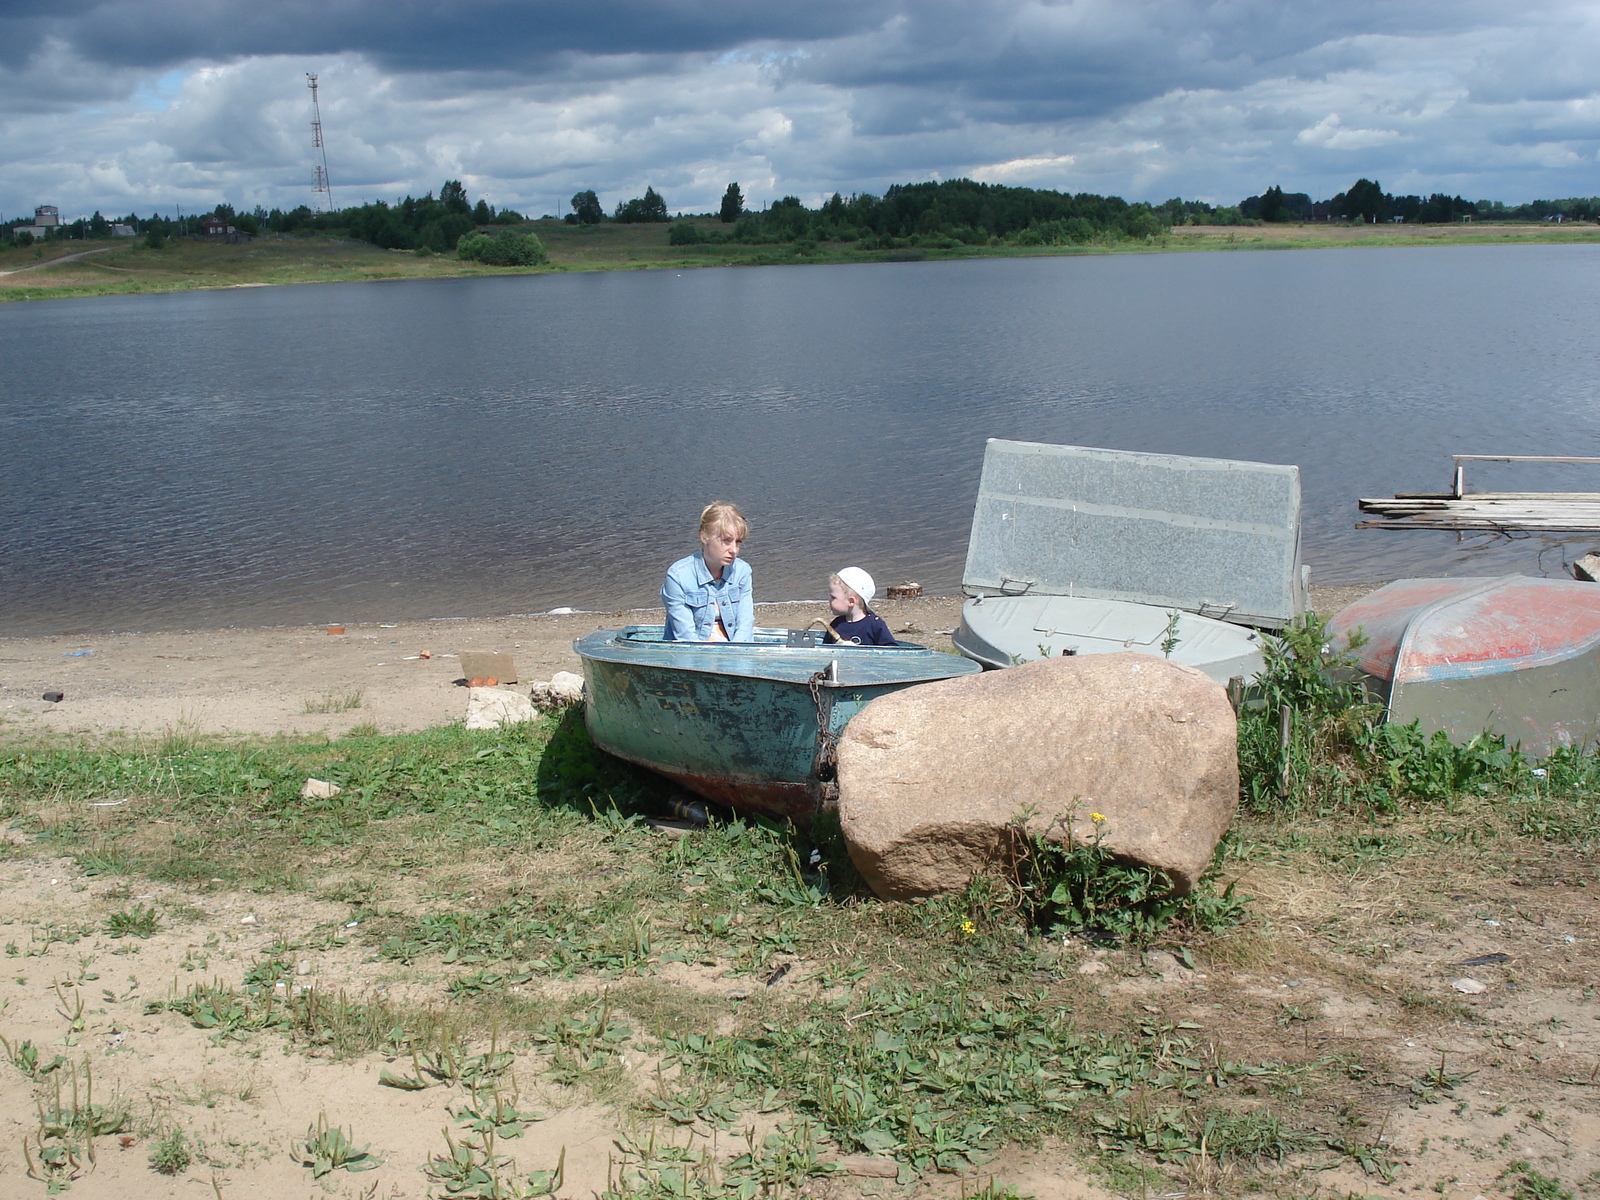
{"x":1470,"y":987}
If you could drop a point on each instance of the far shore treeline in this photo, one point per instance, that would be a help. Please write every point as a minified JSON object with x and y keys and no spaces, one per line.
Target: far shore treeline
{"x":944,"y":214}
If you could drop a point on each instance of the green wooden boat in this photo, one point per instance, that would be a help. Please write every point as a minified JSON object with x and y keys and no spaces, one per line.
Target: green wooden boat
{"x":748,"y":724}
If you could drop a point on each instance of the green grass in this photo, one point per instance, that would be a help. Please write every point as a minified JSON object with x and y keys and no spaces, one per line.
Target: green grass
{"x":138,"y":921}
{"x":129,"y":266}
{"x":336,"y":701}
{"x":935,"y":1033}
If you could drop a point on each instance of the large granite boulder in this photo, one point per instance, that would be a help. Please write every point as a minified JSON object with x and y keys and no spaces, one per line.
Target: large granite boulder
{"x":934,"y":778}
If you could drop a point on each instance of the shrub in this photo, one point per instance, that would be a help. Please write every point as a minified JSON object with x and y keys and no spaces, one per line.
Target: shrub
{"x":507,"y":248}
{"x":685,"y":233}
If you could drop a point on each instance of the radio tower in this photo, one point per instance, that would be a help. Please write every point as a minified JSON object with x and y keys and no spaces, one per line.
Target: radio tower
{"x":322,"y":188}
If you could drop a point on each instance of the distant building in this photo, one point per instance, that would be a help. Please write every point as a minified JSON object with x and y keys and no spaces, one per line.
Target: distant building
{"x":46,"y":221}
{"x":215,"y":227}
{"x":121,"y":230}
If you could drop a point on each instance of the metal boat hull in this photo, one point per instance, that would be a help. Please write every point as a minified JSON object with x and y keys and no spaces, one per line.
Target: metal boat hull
{"x":1078,"y":550}
{"x":738,"y":723}
{"x":1515,"y":656}
{"x":999,"y":631}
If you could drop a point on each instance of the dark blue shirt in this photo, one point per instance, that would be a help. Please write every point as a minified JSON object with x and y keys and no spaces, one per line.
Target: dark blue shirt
{"x":869,"y":631}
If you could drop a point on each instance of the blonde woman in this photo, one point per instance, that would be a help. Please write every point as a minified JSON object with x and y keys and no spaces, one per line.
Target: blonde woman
{"x":707,"y":595}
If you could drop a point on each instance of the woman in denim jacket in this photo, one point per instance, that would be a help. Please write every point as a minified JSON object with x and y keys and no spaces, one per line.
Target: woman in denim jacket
{"x":707,"y":595}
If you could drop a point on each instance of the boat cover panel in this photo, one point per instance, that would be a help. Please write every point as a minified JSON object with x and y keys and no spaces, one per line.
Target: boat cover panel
{"x":1216,"y":537}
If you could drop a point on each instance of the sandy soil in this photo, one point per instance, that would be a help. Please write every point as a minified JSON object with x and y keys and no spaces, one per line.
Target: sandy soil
{"x":285,"y":680}
{"x":1521,"y":1053}
{"x":246,"y":1101}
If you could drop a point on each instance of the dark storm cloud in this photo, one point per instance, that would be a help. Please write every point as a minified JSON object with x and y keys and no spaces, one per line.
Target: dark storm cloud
{"x":1013,"y":60}
{"x":414,"y":35}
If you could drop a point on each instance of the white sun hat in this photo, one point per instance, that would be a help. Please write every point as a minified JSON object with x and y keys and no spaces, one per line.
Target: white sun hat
{"x":859,"y":582}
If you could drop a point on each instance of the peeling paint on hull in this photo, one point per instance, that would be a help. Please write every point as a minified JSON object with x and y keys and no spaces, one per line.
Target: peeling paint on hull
{"x":1514,"y":655}
{"x":737,"y":723}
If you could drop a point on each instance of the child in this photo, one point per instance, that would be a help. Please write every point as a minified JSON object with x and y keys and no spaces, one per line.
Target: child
{"x":849,"y":593}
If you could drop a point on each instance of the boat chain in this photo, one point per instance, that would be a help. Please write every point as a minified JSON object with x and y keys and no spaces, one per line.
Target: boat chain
{"x":825,"y":765}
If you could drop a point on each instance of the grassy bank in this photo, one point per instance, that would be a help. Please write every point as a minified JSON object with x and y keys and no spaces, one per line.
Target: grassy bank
{"x":481,"y":934}
{"x":131,"y":266}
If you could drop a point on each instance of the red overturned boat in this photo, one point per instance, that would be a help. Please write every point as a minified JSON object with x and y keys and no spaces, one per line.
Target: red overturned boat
{"x":1514,"y":655}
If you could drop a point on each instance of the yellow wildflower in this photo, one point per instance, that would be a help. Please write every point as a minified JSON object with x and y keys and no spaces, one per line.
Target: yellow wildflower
{"x":1097,"y":817}
{"x":968,"y":928}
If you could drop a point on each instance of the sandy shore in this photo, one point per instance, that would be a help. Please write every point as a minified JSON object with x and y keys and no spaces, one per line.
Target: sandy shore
{"x":302,"y":680}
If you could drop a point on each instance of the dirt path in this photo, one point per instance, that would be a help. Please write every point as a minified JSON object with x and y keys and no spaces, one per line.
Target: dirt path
{"x":65,"y":258}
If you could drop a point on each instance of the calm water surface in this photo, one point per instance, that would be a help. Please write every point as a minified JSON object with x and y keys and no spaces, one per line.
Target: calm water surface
{"x":435,"y":448}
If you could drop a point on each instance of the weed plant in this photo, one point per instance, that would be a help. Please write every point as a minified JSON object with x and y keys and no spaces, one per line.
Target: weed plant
{"x":171,"y":1155}
{"x":138,"y":921}
{"x":326,"y":1149}
{"x":61,"y":1146}
{"x":1530,"y":1184}
{"x":1081,"y":886}
{"x":940,"y":1076}
{"x":335,"y":702}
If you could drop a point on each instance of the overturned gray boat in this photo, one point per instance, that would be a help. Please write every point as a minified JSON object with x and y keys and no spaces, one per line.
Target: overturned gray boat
{"x":1077,"y":550}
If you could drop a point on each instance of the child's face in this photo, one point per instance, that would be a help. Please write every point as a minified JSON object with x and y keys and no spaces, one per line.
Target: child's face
{"x":841,"y":599}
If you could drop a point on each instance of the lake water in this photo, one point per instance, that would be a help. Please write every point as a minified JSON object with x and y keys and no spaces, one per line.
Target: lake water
{"x":495,"y":445}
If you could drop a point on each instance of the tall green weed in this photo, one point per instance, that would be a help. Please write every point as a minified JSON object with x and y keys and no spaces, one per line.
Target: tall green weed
{"x":1341,"y":756}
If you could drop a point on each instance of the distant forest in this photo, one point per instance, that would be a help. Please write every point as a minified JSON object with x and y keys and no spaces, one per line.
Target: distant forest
{"x":942,"y":214}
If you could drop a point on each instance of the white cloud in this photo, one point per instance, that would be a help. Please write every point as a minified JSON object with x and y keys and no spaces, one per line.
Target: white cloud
{"x":1331,"y":134}
{"x":1047,"y":170}
{"x":1143,"y":98}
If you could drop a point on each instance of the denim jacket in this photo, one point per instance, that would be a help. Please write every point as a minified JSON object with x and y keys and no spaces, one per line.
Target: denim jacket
{"x":694,"y":600}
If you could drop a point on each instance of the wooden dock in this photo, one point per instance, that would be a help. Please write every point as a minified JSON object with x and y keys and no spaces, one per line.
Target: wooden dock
{"x":1496,"y":512}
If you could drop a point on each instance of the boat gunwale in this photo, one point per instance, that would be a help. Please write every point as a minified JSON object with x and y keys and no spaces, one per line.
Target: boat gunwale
{"x":821,"y":655}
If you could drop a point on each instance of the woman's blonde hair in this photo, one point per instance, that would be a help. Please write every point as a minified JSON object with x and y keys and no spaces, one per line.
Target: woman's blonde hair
{"x":721,"y":515}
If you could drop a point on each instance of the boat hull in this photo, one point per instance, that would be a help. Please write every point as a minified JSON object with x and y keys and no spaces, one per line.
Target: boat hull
{"x":1514,"y":656}
{"x":998,"y":631}
{"x":738,"y":724}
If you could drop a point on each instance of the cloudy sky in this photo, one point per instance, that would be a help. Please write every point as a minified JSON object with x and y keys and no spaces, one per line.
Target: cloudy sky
{"x":137,"y":105}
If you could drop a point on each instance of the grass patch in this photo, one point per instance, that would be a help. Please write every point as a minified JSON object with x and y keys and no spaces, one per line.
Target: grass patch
{"x":507,"y":883}
{"x":139,"y":921}
{"x":335,"y":701}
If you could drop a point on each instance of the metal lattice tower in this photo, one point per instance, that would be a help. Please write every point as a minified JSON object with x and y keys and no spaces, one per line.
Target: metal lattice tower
{"x":322,"y":188}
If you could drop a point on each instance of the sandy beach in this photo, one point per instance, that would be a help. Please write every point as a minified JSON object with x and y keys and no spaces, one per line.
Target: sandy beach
{"x":301,"y":679}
